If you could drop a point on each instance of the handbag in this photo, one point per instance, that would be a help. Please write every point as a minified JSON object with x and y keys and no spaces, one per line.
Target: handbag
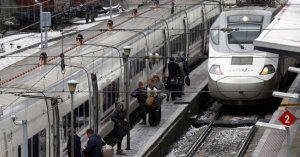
{"x":187,"y":80}
{"x":149,"y":101}
{"x":107,"y":151}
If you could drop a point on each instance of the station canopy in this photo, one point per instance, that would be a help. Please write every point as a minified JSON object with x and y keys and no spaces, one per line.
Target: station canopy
{"x":282,"y":36}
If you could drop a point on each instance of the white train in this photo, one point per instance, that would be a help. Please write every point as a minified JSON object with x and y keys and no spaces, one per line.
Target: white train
{"x":26,"y":88}
{"x":237,"y":72}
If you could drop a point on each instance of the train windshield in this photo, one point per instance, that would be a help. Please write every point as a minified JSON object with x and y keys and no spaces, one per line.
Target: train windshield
{"x":246,"y":28}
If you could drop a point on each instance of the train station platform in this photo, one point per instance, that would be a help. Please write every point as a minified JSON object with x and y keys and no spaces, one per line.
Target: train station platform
{"x":147,"y":140}
{"x":274,"y":143}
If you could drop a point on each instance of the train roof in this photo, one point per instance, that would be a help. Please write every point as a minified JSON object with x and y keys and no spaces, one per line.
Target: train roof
{"x":25,"y":76}
{"x":282,"y":35}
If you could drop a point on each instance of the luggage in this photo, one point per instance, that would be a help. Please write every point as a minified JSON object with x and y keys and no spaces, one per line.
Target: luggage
{"x":154,"y":117}
{"x":108,"y":151}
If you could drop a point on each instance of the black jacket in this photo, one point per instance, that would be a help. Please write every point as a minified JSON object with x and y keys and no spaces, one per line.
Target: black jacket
{"x":120,"y":125}
{"x":77,"y":146}
{"x":174,"y":70}
{"x":94,"y":146}
{"x":140,"y":94}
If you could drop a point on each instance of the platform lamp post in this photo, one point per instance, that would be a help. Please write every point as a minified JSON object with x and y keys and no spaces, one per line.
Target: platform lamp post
{"x":72,"y":86}
{"x":125,"y":56}
{"x":41,"y":25}
{"x":110,"y":9}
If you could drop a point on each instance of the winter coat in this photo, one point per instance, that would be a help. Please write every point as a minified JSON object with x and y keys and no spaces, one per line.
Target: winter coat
{"x":140,"y":94}
{"x":174,"y":70}
{"x":77,"y":146}
{"x":120,"y":125}
{"x":156,"y":102}
{"x":183,"y":67}
{"x":94,"y":146}
{"x":160,"y":86}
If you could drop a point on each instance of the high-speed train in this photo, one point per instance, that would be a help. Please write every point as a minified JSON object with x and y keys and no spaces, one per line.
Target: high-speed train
{"x":38,"y":97}
{"x":237,"y":72}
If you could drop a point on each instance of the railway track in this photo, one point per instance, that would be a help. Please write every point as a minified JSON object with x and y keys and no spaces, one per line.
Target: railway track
{"x":221,"y":131}
{"x":220,"y":135}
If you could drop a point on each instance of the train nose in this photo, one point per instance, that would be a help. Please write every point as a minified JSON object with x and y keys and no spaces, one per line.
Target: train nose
{"x":240,"y":88}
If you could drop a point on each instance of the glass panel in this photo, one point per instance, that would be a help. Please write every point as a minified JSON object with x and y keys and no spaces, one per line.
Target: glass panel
{"x":110,"y":94}
{"x":245,"y":35}
{"x":242,"y":61}
{"x":245,"y":18}
{"x":86,"y":113}
{"x":214,"y":34}
{"x":43,"y":143}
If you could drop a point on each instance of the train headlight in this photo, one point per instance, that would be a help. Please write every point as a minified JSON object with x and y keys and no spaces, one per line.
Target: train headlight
{"x":215,"y":69}
{"x":268,"y":69}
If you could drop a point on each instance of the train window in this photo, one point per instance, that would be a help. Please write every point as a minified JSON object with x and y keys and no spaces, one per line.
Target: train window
{"x":4,"y":144}
{"x":137,"y":63}
{"x":81,"y":117}
{"x":110,"y":94}
{"x":37,"y":145}
{"x":177,"y":43}
{"x":245,"y":18}
{"x":214,"y":34}
{"x":194,"y":34}
{"x":245,"y":35}
{"x":242,"y":60}
{"x":66,"y":126}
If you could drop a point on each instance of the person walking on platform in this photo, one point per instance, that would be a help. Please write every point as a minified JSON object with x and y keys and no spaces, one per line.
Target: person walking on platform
{"x":183,"y":65}
{"x":94,"y":145}
{"x":77,"y":145}
{"x":118,"y":117}
{"x":173,"y":78}
{"x":140,"y":94}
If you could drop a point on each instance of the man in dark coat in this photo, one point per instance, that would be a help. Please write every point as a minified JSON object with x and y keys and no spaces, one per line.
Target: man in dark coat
{"x":140,"y":94}
{"x":174,"y":69}
{"x":173,"y":79}
{"x":119,"y":118}
{"x":94,"y":145}
{"x":183,"y":65}
{"x":77,"y":145}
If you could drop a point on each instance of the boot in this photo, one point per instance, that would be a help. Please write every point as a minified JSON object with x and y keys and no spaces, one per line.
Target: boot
{"x":120,"y":152}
